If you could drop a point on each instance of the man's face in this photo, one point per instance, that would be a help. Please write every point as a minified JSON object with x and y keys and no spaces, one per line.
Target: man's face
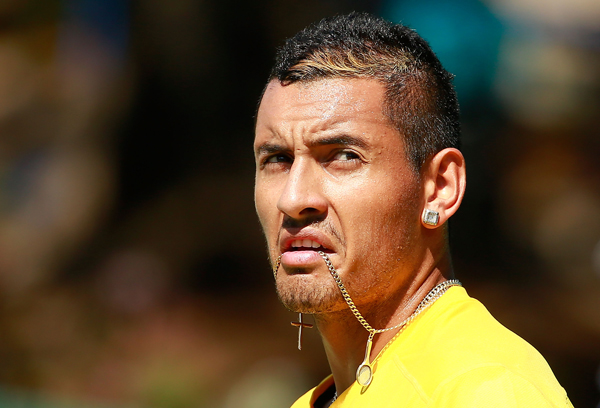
{"x":332,"y":176}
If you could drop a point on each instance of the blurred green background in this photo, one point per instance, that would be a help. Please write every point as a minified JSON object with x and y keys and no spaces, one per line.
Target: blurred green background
{"x":133,"y":272}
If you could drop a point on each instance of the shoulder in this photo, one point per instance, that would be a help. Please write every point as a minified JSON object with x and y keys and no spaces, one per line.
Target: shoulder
{"x":304,"y":401}
{"x":308,"y":399}
{"x":459,"y":333}
{"x":459,"y":345}
{"x":496,"y":386}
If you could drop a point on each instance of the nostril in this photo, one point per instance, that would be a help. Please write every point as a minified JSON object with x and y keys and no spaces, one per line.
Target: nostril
{"x":309,"y":210}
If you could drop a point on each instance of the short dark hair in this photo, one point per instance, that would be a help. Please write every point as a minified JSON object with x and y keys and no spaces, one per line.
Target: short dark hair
{"x":420,"y":100}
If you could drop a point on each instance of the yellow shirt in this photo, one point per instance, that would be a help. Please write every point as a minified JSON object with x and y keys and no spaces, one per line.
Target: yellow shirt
{"x":454,"y":354}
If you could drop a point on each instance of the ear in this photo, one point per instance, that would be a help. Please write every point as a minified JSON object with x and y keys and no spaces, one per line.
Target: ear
{"x":445,"y":180}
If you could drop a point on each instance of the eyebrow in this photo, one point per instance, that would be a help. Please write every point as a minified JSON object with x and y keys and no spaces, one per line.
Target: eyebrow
{"x":343,"y":140}
{"x":268,"y":148}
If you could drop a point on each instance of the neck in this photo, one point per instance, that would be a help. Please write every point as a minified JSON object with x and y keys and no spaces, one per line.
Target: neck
{"x":344,"y":338}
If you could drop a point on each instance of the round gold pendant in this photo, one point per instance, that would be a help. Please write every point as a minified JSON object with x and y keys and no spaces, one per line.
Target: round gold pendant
{"x":364,"y":374}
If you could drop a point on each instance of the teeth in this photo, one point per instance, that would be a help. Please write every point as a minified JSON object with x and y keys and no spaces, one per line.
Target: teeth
{"x":305,"y":243}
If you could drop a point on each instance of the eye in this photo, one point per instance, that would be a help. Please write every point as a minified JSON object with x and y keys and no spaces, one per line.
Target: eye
{"x":346,"y":155}
{"x":278,"y":158}
{"x":346,"y":160}
{"x":276,"y":161}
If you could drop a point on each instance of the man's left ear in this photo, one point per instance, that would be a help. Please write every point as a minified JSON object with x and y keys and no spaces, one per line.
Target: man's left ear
{"x":445,"y":180}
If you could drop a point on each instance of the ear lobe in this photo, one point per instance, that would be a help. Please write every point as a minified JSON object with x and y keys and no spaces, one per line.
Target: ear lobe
{"x":444,"y":186}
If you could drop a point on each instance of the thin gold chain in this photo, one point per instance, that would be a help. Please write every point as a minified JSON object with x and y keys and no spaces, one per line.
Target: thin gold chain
{"x":428,"y":300}
{"x":276,"y":268}
{"x":364,"y":372}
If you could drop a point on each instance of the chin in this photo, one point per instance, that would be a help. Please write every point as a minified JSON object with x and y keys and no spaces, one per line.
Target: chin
{"x":309,"y":300}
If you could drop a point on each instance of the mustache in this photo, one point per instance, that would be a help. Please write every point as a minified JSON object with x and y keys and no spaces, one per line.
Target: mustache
{"x":294,"y":225}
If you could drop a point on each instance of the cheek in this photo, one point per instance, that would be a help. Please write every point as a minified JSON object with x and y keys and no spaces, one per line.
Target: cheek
{"x":263,"y":204}
{"x":265,"y":201}
{"x":387,"y":217}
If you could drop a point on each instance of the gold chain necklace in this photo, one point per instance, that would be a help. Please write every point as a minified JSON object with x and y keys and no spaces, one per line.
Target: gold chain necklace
{"x":364,"y":372}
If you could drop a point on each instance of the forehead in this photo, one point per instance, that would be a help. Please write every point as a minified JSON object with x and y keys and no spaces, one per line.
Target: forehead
{"x":319,"y":106}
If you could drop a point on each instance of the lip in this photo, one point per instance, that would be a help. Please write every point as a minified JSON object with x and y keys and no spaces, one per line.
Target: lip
{"x":287,"y":238}
{"x":303,"y":257}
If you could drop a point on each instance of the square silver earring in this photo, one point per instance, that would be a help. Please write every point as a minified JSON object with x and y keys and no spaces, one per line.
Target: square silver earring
{"x":431,"y":217}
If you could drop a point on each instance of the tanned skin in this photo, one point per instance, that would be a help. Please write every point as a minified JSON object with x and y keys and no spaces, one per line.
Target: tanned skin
{"x":332,"y":175}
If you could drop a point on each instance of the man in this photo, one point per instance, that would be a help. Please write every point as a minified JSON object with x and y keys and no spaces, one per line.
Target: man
{"x":358,"y":170}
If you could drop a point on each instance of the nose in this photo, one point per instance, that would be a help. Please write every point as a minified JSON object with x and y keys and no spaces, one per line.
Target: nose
{"x":302,"y":196}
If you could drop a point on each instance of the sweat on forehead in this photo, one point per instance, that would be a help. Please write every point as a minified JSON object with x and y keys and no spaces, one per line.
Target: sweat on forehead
{"x":419,"y":95}
{"x":323,"y":112}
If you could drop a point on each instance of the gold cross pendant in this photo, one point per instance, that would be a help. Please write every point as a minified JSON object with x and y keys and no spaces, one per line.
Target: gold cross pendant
{"x":300,"y":324}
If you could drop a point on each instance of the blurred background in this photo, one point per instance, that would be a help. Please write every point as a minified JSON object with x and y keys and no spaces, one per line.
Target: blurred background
{"x":133,"y":272}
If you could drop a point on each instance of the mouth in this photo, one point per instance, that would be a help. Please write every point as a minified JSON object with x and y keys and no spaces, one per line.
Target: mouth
{"x":306,"y":245}
{"x":303,"y":252}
